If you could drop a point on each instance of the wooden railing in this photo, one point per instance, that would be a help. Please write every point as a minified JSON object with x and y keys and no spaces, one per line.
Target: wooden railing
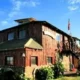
{"x":68,"y":46}
{"x":76,"y":49}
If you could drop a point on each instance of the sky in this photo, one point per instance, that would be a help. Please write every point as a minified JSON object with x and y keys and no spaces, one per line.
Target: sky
{"x":56,"y":12}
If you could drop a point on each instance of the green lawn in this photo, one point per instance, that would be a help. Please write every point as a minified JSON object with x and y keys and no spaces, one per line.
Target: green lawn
{"x":69,"y":78}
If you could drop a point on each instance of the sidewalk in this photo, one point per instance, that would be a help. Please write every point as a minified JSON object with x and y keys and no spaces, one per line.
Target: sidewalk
{"x":70,"y":73}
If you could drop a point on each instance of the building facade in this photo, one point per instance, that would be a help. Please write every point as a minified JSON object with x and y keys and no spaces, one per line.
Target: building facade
{"x":32,"y":44}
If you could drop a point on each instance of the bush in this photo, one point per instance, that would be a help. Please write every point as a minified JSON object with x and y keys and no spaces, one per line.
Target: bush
{"x":44,"y":73}
{"x":10,"y":74}
{"x":58,"y":69}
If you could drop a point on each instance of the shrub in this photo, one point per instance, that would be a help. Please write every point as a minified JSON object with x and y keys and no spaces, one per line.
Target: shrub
{"x":58,"y":69}
{"x":10,"y":74}
{"x":44,"y":73}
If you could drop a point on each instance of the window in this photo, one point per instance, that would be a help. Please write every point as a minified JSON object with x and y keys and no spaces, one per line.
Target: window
{"x":22,"y":34}
{"x":49,"y":60}
{"x":11,"y":36}
{"x":78,"y":43}
{"x":58,"y":37}
{"x":34,"y":60}
{"x":9,"y":60}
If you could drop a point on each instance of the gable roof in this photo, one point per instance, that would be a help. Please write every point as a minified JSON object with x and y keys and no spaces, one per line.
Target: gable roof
{"x":55,"y":28}
{"x":33,"y":20}
{"x":43,"y":23}
{"x":76,"y":38}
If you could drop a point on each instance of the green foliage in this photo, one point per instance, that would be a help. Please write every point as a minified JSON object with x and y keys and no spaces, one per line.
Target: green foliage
{"x":69,"y":78}
{"x":11,"y":74}
{"x":18,"y":70}
{"x":44,"y":73}
{"x":58,"y":69}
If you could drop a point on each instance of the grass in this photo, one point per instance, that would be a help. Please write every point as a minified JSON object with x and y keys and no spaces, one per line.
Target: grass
{"x":69,"y":78}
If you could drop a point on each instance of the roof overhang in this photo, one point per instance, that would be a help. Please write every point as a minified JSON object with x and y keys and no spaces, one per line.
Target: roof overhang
{"x":18,"y":44}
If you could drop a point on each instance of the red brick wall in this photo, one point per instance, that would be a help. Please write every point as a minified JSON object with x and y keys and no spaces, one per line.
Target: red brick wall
{"x":33,"y":52}
{"x":42,"y":57}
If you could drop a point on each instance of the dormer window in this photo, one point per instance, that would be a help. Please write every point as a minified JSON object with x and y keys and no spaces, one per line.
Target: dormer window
{"x":11,"y":36}
{"x":22,"y":34}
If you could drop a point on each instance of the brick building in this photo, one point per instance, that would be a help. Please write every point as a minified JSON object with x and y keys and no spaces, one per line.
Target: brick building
{"x":33,"y":44}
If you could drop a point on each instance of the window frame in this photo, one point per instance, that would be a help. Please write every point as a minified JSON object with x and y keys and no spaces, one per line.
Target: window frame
{"x":36,"y":60}
{"x":58,"y":37}
{"x":9,"y":36}
{"x":9,"y":62}
{"x":20,"y":35}
{"x":48,"y":58}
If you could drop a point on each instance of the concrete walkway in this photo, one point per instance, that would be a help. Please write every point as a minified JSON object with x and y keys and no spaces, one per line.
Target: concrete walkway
{"x":70,"y":73}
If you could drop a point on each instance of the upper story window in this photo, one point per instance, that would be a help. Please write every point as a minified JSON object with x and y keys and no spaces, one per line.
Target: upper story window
{"x":58,"y":37}
{"x":22,"y":34}
{"x":9,"y":60}
{"x":78,"y":43}
{"x":11,"y":36}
